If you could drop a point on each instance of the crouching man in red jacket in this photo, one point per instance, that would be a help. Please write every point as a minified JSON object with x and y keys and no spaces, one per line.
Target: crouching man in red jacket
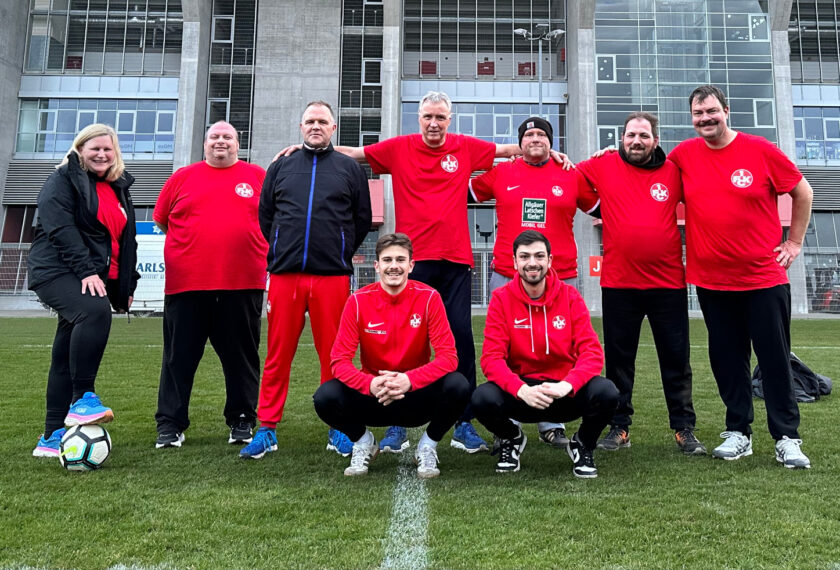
{"x":542,"y":361}
{"x":394,"y":323}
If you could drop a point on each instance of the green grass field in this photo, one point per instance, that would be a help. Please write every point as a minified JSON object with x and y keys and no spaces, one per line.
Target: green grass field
{"x":202,"y":507}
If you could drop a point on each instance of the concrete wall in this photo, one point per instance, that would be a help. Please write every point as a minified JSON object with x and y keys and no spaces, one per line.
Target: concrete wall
{"x":582,"y":130}
{"x":192,"y":86}
{"x":298,"y":58}
{"x":13,"y":16}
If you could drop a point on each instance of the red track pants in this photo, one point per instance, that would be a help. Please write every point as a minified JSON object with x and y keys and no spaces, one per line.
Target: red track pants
{"x":290,"y":296}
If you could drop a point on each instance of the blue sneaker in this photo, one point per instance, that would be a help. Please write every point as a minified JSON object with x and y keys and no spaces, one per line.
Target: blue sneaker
{"x":88,"y":410}
{"x":48,"y":447}
{"x":395,"y":440}
{"x":340,"y":443}
{"x":467,"y":439}
{"x":265,"y":440}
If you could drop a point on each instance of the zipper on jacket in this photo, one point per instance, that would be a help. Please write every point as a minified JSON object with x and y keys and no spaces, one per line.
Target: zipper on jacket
{"x":309,"y":212}
{"x":274,"y":245}
{"x":343,"y":263}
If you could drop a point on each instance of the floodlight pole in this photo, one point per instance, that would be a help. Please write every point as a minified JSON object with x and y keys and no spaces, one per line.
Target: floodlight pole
{"x":540,"y":37}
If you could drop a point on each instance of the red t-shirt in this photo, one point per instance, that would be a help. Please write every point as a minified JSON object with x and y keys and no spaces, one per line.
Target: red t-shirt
{"x":430,"y":190}
{"x":543,"y":198}
{"x":213,"y":238}
{"x":113,"y":217}
{"x":731,"y":218}
{"x":642,"y":242}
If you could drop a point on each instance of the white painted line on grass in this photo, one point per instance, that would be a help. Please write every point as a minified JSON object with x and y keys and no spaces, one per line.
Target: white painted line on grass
{"x":405,"y":544}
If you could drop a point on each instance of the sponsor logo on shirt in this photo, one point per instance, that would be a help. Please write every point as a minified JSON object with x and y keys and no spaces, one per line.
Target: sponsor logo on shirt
{"x":521,"y":323}
{"x":557,"y":191}
{"x":414,"y":321}
{"x":371,"y":328}
{"x":533,"y":212}
{"x":742,"y":178}
{"x":659,"y":192}
{"x":449,"y":163}
{"x":559,"y":322}
{"x":244,"y":189}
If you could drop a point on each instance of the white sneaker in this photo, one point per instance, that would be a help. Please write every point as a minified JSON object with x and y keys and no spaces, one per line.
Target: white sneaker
{"x":361,"y":458}
{"x":427,"y":461}
{"x":789,"y":454}
{"x":735,"y":446}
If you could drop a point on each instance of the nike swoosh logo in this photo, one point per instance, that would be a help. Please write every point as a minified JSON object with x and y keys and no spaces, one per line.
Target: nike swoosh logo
{"x":519,"y":321}
{"x":509,"y":188}
{"x":372,"y":325}
{"x":575,"y":455}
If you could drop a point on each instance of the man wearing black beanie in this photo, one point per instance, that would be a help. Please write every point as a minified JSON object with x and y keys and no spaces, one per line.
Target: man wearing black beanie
{"x":534,"y":193}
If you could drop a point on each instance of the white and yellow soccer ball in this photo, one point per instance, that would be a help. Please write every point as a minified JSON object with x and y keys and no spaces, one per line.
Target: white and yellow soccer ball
{"x":84,"y":448}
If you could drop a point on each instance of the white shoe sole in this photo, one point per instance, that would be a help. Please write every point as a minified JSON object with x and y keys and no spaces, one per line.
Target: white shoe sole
{"x":389,"y":449}
{"x":746,"y":453}
{"x":259,"y":455}
{"x":464,"y":448}
{"x":331,"y":447}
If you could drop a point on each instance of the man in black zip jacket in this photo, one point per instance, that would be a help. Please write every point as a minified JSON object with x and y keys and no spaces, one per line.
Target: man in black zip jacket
{"x":314,"y":213}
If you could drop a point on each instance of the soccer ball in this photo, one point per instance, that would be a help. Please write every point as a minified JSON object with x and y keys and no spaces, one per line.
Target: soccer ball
{"x":84,"y":448}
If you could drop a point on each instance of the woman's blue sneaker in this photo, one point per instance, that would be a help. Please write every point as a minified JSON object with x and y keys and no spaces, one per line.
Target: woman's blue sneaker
{"x":395,"y":440}
{"x":338,"y":442}
{"x":49,"y":447}
{"x":265,"y":441}
{"x":88,"y":410}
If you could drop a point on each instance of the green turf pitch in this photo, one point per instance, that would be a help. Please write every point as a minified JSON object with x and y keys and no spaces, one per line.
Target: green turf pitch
{"x":202,"y":507}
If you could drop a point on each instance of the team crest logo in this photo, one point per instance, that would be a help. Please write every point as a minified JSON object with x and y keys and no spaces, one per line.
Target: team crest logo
{"x":449,"y":163}
{"x":414,"y":321}
{"x":742,"y":178}
{"x":244,"y":189}
{"x":659,"y":192}
{"x":558,"y":322}
{"x":557,"y":191}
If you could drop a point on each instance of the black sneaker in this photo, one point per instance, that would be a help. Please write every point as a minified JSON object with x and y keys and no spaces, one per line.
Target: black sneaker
{"x":582,"y":459}
{"x":509,"y":452}
{"x":688,"y":442}
{"x":617,"y":438}
{"x":171,"y":439}
{"x":241,"y":432}
{"x":555,"y":437}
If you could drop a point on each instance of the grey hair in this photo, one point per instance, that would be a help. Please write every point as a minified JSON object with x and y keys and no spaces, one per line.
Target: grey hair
{"x":435,"y":97}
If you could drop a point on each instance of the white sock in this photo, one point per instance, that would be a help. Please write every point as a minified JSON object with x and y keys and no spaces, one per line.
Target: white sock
{"x":426,"y":440}
{"x":366,"y":439}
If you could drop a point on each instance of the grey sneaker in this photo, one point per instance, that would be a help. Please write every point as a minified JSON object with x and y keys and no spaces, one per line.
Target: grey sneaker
{"x":555,"y":437}
{"x":735,"y":446}
{"x":790,"y":455}
{"x":427,"y":462}
{"x":688,"y":442}
{"x":361,"y":458}
{"x":615,"y":439}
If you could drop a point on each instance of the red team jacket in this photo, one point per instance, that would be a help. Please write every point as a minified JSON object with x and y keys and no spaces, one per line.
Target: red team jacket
{"x":394,"y":332}
{"x":550,"y":338}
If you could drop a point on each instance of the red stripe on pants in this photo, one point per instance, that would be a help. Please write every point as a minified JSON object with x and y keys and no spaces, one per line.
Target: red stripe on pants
{"x":290,"y":295}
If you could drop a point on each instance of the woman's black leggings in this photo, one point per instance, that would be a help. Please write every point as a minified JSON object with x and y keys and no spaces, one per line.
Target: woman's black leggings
{"x":84,"y":322}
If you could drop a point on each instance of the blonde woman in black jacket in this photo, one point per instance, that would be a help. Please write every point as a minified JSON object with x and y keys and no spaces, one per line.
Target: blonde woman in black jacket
{"x":81,"y":263}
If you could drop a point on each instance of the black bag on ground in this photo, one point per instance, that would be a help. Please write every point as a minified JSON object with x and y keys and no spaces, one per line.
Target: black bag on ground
{"x":808,"y":386}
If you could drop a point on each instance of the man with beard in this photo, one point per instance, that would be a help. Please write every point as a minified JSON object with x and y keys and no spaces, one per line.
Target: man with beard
{"x":542,"y":360}
{"x":314,"y":212}
{"x":738,"y":258}
{"x":215,"y":278}
{"x":534,"y":192}
{"x":643,"y":276}
{"x":394,"y":324}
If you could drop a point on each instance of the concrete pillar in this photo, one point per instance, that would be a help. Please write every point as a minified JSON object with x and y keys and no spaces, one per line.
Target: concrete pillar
{"x":780,"y":49}
{"x":298,"y":58}
{"x":582,"y":128}
{"x":12,"y":44}
{"x":192,"y":84}
{"x":391,"y":94}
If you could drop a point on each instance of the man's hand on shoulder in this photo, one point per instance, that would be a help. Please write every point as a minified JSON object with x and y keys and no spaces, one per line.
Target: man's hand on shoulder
{"x":561,"y":159}
{"x":534,"y":396}
{"x":287,"y":151}
{"x":603,"y":151}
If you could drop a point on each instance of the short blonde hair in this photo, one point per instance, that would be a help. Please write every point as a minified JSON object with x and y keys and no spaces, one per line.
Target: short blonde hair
{"x":91,"y":132}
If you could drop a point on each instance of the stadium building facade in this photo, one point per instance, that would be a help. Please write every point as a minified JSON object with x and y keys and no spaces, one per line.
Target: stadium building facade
{"x":161,"y":71}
